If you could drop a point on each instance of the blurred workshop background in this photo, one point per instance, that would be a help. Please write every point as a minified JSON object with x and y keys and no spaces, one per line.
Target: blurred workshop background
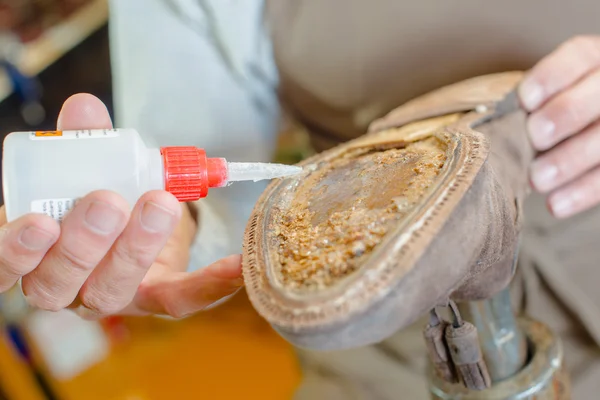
{"x":50,"y":49}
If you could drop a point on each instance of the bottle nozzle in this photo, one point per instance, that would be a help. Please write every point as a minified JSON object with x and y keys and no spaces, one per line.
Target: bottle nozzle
{"x":259,"y":171}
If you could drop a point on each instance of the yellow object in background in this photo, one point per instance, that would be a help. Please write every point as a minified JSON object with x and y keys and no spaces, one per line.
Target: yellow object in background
{"x":16,"y":379}
{"x":225,"y":353}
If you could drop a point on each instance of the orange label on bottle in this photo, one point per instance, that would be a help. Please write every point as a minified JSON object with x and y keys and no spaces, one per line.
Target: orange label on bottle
{"x":74,"y":135}
{"x":48,"y":133}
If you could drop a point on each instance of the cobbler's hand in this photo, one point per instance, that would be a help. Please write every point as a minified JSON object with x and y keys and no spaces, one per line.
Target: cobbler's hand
{"x":106,"y":259}
{"x":563,"y":93}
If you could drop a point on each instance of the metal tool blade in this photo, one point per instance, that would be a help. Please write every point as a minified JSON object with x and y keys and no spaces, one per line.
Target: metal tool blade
{"x":509,"y":104}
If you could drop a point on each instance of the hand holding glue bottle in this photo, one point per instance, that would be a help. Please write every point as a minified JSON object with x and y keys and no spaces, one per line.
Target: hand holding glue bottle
{"x":97,"y":221}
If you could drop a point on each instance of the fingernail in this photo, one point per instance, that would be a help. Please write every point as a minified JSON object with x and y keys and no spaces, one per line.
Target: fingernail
{"x":35,"y":239}
{"x":541,"y":130}
{"x":156,"y":218}
{"x":562,"y":205}
{"x":103,"y":218}
{"x":543,"y":175}
{"x":532,"y":95}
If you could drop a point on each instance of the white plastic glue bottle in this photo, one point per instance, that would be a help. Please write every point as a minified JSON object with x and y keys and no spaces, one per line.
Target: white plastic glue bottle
{"x":47,"y":172}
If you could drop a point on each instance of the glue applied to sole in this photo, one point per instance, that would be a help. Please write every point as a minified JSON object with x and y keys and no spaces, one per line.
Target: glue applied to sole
{"x":342,"y":212}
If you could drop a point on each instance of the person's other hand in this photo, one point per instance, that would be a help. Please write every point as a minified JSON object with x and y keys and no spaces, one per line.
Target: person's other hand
{"x":106,"y":259}
{"x":562,"y":92}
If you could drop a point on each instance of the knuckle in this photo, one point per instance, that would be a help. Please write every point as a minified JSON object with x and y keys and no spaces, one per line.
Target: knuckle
{"x":579,"y":197}
{"x":45,"y":302}
{"x":38,"y":296}
{"x":99,"y":305}
{"x":173,"y":308}
{"x":168,"y":304}
{"x":73,"y":260}
{"x":591,"y":147}
{"x":586,"y":191}
{"x":13,"y":262}
{"x":13,"y":265}
{"x":578,"y":154}
{"x":135,"y":256}
{"x":571,"y":161}
{"x":579,"y":158}
{"x":566,"y":158}
{"x":571,"y":111}
{"x":588,"y":46}
{"x":177,"y":314}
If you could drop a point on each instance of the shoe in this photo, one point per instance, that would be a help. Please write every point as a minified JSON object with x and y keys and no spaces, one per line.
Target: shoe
{"x":423,"y":209}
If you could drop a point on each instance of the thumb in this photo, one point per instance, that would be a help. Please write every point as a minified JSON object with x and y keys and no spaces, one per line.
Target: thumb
{"x":179,"y":294}
{"x":83,"y":111}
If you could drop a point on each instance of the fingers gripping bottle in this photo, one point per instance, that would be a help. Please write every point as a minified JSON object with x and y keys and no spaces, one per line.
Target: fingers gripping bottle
{"x":47,"y":172}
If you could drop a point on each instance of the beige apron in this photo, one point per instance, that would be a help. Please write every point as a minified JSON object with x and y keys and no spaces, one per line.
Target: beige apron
{"x":343,"y":63}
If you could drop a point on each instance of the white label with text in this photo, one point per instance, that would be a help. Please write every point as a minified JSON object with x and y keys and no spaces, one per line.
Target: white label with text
{"x":54,"y":208}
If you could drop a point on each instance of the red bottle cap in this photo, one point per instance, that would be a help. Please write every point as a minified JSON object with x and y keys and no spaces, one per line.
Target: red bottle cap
{"x":189,"y":173}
